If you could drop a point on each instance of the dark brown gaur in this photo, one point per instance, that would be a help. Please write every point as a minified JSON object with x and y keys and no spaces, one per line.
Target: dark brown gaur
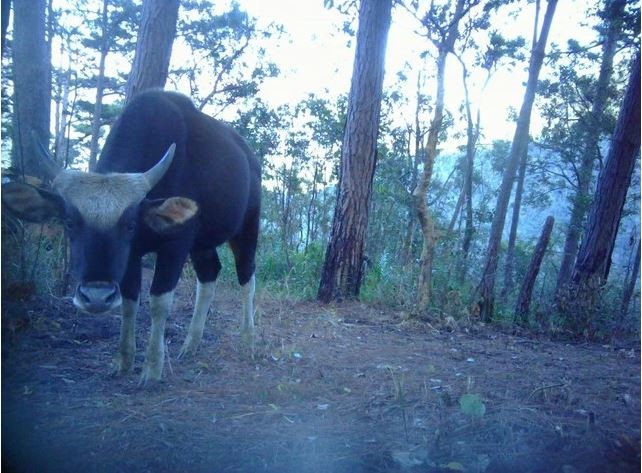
{"x":204,"y":191}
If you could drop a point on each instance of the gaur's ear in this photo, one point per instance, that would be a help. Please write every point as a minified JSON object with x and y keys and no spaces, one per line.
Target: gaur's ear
{"x":32,"y":203}
{"x":167,"y":215}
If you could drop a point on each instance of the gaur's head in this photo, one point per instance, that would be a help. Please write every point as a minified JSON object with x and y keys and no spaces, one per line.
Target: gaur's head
{"x":102,"y":214}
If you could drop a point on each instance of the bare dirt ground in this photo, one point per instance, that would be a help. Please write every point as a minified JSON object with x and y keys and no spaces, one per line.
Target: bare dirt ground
{"x":346,"y":388}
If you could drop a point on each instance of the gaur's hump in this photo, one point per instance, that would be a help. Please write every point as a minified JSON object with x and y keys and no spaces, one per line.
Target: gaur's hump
{"x":158,"y":96}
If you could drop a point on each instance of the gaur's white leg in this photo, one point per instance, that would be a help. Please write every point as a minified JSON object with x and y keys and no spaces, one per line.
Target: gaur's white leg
{"x":247,"y":324}
{"x":204,"y":298}
{"x":159,"y":308}
{"x":127,"y":346}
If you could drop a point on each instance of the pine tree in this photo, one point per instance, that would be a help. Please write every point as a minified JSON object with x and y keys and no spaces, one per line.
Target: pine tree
{"x":32,"y":83}
{"x":486,"y":288}
{"x":342,"y":269}
{"x":154,"y":46}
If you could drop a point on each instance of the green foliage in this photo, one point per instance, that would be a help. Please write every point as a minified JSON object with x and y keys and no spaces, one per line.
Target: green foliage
{"x":472,"y":405}
{"x":298,"y":280}
{"x":226,"y":64}
{"x":33,"y":258}
{"x":499,"y":48}
{"x":123,"y":18}
{"x":299,"y":147}
{"x":591,"y":312}
{"x":388,"y":283}
{"x":566,"y":102}
{"x":499,"y":153}
{"x":260,"y":127}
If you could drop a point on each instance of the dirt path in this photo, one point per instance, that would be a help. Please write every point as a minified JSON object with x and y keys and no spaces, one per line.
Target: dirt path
{"x":343,"y":389}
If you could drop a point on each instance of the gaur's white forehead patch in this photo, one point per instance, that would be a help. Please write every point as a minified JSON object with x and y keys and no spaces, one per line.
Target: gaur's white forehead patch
{"x":101,"y":199}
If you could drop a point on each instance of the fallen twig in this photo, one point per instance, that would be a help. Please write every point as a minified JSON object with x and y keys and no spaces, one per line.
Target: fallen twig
{"x":169,"y":359}
{"x":542,"y":388}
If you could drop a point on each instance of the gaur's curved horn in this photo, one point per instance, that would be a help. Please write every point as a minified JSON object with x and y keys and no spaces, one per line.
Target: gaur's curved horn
{"x":49,"y":167}
{"x":156,"y":173}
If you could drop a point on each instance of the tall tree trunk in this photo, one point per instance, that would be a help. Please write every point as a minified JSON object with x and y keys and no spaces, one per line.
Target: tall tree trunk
{"x":419,"y":194}
{"x":153,"y":46}
{"x":458,"y":206}
{"x":524,"y":299}
{"x":590,"y":154}
{"x":512,"y":236}
{"x":325,"y":209}
{"x":286,"y":199}
{"x":66,"y":159}
{"x":408,"y":238}
{"x":61,"y":130}
{"x":594,"y":257}
{"x":472,"y":134}
{"x":32,"y":83}
{"x":311,"y":214}
{"x":486,"y":288}
{"x":630,"y":286}
{"x":100,"y":88}
{"x":414,"y":157}
{"x":517,"y":202}
{"x":580,"y":204}
{"x":342,"y":269}
{"x":58,"y":98}
{"x":5,"y":13}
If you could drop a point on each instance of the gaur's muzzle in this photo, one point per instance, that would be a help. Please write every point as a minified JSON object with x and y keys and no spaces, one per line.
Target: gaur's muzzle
{"x":97,"y":297}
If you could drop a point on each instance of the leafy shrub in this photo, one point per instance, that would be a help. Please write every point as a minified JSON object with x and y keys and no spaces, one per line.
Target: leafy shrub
{"x":299,"y":279}
{"x":33,"y":258}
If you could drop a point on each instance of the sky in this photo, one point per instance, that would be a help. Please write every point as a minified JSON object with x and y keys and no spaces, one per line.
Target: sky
{"x":316,"y":56}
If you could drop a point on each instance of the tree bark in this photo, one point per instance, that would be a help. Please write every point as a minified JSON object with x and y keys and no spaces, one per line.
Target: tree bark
{"x":486,"y":287}
{"x":32,"y":83}
{"x":342,"y":269}
{"x":472,"y":132}
{"x":414,"y":157}
{"x":594,"y":257}
{"x":100,"y":88}
{"x":408,"y":238}
{"x":286,"y":211}
{"x":419,"y":194}
{"x":512,"y":236}
{"x":460,"y":202}
{"x":519,"y":190}
{"x":630,"y":285}
{"x":591,"y":152}
{"x":312,"y":210}
{"x":524,"y":299}
{"x":153,"y":46}
{"x":5,"y":13}
{"x":61,"y":129}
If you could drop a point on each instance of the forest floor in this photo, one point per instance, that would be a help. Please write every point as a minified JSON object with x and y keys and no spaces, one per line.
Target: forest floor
{"x":345,"y":388}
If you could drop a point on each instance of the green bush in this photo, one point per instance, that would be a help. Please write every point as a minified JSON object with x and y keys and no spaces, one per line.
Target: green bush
{"x":299,"y":279}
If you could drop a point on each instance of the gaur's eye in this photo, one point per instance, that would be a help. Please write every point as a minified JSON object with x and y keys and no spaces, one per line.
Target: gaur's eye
{"x":130,"y":226}
{"x":69,"y":224}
